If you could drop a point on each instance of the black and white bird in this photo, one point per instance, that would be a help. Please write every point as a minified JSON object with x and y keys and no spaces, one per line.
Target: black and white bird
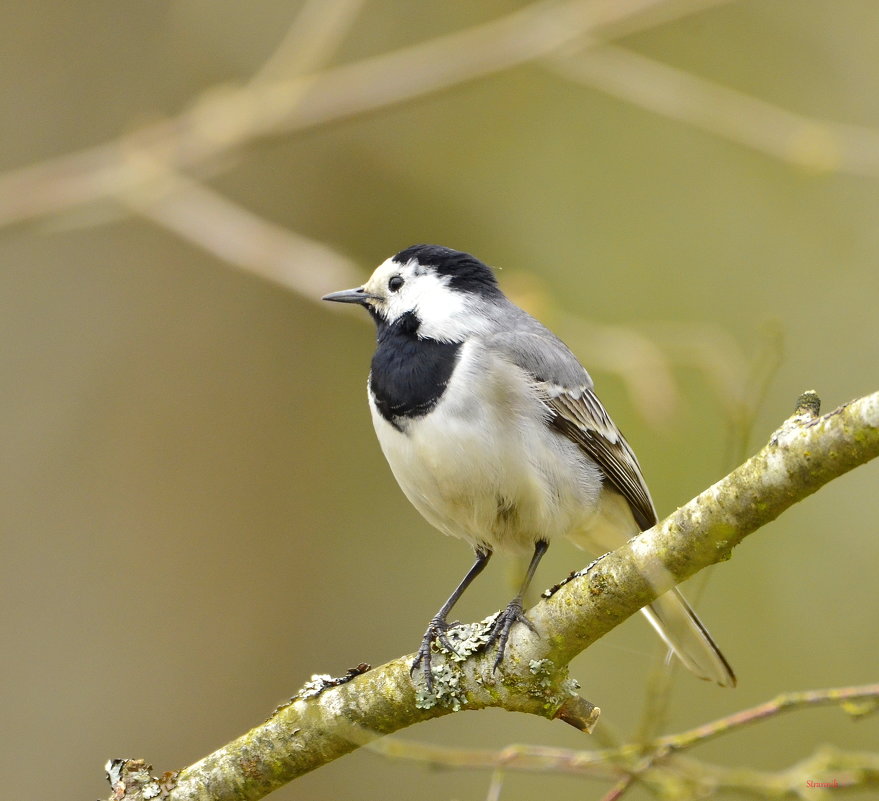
{"x":494,"y":432}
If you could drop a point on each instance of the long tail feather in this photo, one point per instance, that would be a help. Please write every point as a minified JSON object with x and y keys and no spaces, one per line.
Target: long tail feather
{"x":683,"y":632}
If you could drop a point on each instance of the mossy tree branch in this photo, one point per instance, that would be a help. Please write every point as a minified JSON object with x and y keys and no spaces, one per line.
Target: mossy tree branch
{"x":335,"y":717}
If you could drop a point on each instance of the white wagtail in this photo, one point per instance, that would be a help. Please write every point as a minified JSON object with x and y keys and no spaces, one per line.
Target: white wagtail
{"x":494,"y":433}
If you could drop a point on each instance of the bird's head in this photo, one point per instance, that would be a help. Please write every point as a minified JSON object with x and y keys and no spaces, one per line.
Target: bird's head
{"x":447,"y":292}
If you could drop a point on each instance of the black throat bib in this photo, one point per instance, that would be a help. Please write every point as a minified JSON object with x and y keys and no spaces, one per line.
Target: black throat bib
{"x":409,"y":375}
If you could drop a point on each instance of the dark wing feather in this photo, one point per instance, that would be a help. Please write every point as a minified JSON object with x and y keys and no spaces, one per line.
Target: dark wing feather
{"x":584,"y":420}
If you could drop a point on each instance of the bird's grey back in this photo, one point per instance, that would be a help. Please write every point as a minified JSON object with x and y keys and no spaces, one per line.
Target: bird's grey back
{"x":530,"y":345}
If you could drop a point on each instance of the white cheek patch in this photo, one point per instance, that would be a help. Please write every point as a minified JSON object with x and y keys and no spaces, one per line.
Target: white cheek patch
{"x":447,"y":315}
{"x":438,"y":307}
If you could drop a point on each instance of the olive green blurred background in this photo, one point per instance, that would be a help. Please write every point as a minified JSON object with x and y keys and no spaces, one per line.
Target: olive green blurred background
{"x":195,"y":513}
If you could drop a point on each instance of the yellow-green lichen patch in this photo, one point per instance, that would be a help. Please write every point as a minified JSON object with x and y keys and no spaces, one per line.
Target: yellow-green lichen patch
{"x":465,"y":640}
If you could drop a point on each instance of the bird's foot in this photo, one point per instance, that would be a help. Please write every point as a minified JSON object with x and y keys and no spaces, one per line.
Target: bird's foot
{"x":436,"y":632}
{"x":500,"y":630}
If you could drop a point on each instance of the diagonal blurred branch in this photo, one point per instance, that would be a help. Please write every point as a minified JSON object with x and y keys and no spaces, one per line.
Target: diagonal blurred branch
{"x":808,"y":142}
{"x":316,"y":33}
{"x":237,"y":236}
{"x":644,"y":366}
{"x":605,"y":765}
{"x":857,"y":701}
{"x":225,"y":118}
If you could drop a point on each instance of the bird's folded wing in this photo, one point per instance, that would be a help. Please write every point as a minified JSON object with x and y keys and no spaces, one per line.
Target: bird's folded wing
{"x":582,"y":418}
{"x":574,"y":410}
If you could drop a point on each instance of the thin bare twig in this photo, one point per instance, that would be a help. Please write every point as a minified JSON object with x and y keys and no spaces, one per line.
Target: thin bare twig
{"x":233,"y":234}
{"x":786,"y":702}
{"x":639,"y":361}
{"x":808,"y":142}
{"x":650,"y":762}
{"x":316,"y":33}
{"x":606,"y":762}
{"x":527,"y":758}
{"x":224,"y":119}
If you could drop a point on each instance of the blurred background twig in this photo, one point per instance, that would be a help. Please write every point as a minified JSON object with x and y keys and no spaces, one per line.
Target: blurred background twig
{"x":225,"y":118}
{"x":660,"y":771}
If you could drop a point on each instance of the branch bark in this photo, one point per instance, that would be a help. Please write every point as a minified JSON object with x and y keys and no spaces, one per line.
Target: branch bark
{"x":330,"y":718}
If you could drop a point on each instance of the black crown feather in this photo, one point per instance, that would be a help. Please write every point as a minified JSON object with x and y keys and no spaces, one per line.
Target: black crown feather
{"x":466,"y":272}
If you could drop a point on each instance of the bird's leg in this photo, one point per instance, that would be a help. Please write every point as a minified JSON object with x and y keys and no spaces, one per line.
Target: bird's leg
{"x":438,"y":626}
{"x":500,"y":630}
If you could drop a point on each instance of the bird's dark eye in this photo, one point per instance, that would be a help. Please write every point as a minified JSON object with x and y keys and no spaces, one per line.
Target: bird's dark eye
{"x":395,"y":283}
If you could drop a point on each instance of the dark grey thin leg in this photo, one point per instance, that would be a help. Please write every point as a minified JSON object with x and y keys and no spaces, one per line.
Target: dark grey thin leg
{"x":500,"y":631}
{"x":439,"y":626}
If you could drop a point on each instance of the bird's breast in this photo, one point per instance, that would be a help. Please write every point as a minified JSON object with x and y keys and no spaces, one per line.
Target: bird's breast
{"x":481,"y":464}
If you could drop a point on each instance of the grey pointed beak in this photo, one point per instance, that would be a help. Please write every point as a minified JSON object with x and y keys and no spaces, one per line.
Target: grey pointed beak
{"x":358,"y":295}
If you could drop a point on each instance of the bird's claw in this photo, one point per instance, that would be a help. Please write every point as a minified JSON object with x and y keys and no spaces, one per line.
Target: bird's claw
{"x":500,"y":629}
{"x":498,"y":633}
{"x":436,"y":631}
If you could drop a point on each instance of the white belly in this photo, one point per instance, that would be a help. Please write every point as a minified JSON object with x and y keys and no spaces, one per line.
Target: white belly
{"x":490,"y":472}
